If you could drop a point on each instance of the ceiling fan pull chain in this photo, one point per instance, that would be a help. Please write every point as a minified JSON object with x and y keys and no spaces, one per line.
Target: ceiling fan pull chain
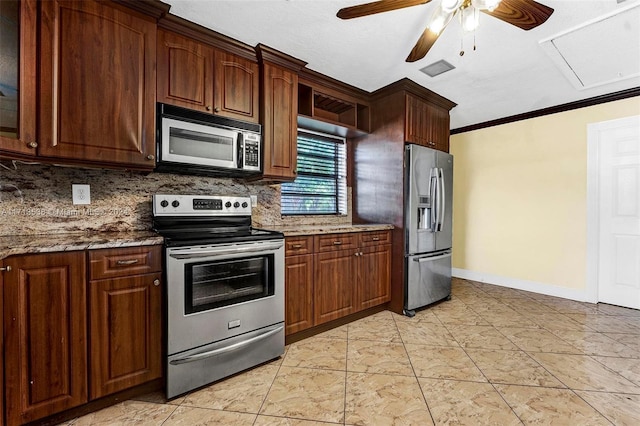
{"x":461,"y":36}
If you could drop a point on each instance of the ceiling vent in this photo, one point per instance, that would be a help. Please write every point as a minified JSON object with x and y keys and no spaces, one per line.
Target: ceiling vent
{"x":437,"y":68}
{"x":600,"y":51}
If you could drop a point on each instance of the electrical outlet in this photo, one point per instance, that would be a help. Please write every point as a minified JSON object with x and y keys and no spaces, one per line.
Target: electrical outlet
{"x":81,"y":194}
{"x":254,"y":201}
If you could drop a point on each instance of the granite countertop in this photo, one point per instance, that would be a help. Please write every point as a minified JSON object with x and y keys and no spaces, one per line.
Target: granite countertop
{"x":46,"y":243}
{"x":294,"y":230}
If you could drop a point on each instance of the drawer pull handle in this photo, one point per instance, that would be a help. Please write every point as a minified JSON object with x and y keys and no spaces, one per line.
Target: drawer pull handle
{"x":127,"y":262}
{"x":337,"y":243}
{"x":376,"y":238}
{"x":6,"y":268}
{"x":296,"y":246}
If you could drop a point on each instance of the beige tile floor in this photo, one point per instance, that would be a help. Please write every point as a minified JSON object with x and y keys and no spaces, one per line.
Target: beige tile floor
{"x":491,"y":355}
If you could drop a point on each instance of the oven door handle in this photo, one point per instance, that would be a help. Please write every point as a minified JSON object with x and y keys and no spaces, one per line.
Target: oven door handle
{"x":195,"y":253}
{"x":230,"y":348}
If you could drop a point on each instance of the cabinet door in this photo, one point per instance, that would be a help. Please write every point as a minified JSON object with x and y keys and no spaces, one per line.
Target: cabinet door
{"x":236,"y":87}
{"x":97,"y":83}
{"x":298,"y":293}
{"x":426,"y":124}
{"x":374,"y":277}
{"x":18,"y":78}
{"x":185,"y":72}
{"x":334,"y":283}
{"x":45,"y":335}
{"x":280,"y":122}
{"x":126,"y":332}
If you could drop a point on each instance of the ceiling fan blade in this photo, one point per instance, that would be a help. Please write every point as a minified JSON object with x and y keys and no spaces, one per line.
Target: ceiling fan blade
{"x":525,"y":14}
{"x":424,"y":43}
{"x":376,"y":7}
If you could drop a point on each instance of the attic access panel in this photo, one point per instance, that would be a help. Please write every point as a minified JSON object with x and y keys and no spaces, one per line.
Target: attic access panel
{"x":601,"y":51}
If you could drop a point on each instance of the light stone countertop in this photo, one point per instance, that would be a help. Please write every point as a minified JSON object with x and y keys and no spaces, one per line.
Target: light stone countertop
{"x":295,"y":230}
{"x":47,"y":243}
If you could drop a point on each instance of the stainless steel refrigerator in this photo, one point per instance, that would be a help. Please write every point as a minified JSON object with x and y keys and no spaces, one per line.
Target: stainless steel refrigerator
{"x":428,"y":226}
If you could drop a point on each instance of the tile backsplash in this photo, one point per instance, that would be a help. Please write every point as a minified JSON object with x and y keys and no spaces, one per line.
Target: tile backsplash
{"x":37,"y":199}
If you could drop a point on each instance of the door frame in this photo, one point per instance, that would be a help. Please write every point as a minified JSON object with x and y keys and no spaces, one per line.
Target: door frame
{"x":593,"y":200}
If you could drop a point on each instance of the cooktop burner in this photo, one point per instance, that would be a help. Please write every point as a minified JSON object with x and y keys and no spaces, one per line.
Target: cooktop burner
{"x":188,"y":220}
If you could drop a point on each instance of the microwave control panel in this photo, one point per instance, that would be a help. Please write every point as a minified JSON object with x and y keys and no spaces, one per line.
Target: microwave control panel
{"x":251,"y":151}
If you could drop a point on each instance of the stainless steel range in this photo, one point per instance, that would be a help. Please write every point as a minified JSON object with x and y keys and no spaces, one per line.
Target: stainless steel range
{"x":225,"y":289}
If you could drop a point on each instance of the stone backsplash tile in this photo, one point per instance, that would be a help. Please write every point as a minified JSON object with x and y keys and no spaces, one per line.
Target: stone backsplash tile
{"x":36,"y":199}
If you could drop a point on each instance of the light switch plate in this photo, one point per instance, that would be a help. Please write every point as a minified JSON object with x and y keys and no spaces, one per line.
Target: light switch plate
{"x":81,"y":194}
{"x":254,"y":201}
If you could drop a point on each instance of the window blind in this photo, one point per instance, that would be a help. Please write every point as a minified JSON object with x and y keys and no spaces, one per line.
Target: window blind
{"x":321,"y":185}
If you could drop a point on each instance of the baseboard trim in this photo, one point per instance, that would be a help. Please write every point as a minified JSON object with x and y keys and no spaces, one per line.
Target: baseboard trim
{"x":518,"y":284}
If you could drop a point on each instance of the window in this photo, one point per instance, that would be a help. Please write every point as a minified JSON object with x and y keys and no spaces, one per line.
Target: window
{"x":321,"y":185}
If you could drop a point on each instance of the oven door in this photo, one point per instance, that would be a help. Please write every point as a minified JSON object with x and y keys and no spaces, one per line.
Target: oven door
{"x":192,"y":143}
{"x":224,"y":290}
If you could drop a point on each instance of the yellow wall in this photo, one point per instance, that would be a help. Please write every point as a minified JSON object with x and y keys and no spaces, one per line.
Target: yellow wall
{"x":520,"y":195}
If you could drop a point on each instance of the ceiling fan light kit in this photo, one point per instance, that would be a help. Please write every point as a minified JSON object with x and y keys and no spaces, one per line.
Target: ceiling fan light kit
{"x":524,"y":14}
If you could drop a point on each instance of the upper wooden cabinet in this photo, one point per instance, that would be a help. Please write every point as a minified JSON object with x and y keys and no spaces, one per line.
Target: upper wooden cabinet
{"x":18,"y":79}
{"x":426,"y":124}
{"x":97,"y":84}
{"x":45,"y":334}
{"x":195,"y":75}
{"x":279,"y":112}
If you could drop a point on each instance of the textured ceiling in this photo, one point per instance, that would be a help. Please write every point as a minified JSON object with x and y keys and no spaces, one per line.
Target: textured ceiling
{"x":508,"y":74}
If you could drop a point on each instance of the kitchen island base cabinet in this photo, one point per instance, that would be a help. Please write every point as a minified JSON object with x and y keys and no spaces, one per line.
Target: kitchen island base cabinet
{"x":45,"y":335}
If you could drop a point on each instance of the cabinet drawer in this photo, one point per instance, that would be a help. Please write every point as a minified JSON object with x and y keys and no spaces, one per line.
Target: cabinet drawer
{"x":294,"y":246}
{"x":118,"y":262}
{"x":375,"y":238}
{"x":334,"y":242}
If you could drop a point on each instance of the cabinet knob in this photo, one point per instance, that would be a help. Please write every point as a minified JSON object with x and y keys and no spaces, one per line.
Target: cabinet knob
{"x":151,"y":157}
{"x":32,"y":144}
{"x":216,"y":109}
{"x":357,"y":254}
{"x":156,"y":282}
{"x":208,"y":107}
{"x":6,"y":268}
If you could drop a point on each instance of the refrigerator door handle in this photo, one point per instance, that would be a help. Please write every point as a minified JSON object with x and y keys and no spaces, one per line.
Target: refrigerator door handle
{"x":435,"y":207}
{"x":432,"y":197}
{"x":431,"y":258}
{"x":442,"y":201}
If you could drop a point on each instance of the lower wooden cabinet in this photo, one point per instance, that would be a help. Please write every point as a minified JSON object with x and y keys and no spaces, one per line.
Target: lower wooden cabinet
{"x":331,"y":276}
{"x":45,"y":334}
{"x":298,"y":293}
{"x":335,"y":285}
{"x":49,"y":357}
{"x":126,"y":329}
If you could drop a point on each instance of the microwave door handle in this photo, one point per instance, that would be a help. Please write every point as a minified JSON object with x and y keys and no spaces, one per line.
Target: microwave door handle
{"x":240,"y":153}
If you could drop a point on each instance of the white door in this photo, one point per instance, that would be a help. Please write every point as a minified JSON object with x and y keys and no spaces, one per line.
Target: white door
{"x":619,"y":211}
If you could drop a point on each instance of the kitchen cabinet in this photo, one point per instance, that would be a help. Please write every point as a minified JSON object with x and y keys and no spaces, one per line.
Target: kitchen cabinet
{"x":50,"y":359}
{"x":279,"y":112}
{"x":18,"y":57}
{"x":298,"y":284}
{"x":350,"y":272}
{"x":125,"y":294}
{"x":195,"y":75}
{"x":45,"y":334}
{"x":426,"y":124}
{"x":97,"y":84}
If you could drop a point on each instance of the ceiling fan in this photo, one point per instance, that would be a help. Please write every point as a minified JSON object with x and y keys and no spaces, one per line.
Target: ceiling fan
{"x":525,"y":14}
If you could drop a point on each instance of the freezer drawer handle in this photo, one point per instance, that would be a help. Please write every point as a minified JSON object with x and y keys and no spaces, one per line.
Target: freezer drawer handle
{"x":226,"y":349}
{"x":431,"y":258}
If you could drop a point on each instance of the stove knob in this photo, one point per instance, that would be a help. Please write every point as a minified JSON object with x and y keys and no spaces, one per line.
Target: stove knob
{"x":227,"y":204}
{"x":175,"y":203}
{"x":236,"y":204}
{"x":244,"y":205}
{"x":164,"y":203}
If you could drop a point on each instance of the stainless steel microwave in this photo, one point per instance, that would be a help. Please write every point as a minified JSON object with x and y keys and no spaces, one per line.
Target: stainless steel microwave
{"x":192,"y":142}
